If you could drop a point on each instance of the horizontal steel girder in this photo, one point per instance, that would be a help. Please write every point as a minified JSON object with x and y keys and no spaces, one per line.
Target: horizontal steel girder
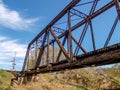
{"x":108,"y":55}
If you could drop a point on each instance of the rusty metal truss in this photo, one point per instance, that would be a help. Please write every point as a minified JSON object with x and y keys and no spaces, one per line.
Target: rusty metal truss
{"x":82,"y":34}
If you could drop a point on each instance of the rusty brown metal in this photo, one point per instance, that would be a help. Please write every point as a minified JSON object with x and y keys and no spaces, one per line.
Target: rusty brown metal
{"x":98,"y":12}
{"x":117,"y":3}
{"x":60,"y":45}
{"x":78,"y":13}
{"x":83,"y":60}
{"x":111,"y":31}
{"x":95,"y":14}
{"x":41,"y":51}
{"x":86,"y":25}
{"x":36,"y":47}
{"x":59,"y":54}
{"x":48,"y":47}
{"x":81,"y":38}
{"x":92,"y":34}
{"x":69,"y":37}
{"x":62,"y":13}
{"x":102,"y":56}
{"x":79,"y":44}
{"x":25,"y":60}
{"x":53,"y":54}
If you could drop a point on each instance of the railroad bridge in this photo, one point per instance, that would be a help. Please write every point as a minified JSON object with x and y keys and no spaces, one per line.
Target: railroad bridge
{"x":85,"y":33}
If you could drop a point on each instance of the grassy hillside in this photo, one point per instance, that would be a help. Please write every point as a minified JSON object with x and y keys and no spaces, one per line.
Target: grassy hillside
{"x":5,"y":78}
{"x":92,"y":78}
{"x":79,"y":79}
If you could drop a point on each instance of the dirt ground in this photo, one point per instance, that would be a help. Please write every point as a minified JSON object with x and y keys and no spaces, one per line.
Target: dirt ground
{"x":80,"y":79}
{"x":46,"y":82}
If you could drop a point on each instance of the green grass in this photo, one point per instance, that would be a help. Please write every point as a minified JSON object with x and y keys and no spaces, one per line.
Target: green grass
{"x":5,"y":88}
{"x":4,"y":74}
{"x":5,"y":78}
{"x":78,"y":88}
{"x":47,"y":76}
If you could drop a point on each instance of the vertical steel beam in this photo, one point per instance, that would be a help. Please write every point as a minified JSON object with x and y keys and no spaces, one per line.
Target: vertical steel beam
{"x":93,"y":15}
{"x":53,"y":54}
{"x":48,"y":38}
{"x":81,"y":37}
{"x":92,"y":34}
{"x":28,"y":61}
{"x":61,"y":14}
{"x":69,"y":37}
{"x":78,"y":44}
{"x":60,"y":45}
{"x":36,"y":47}
{"x":90,"y":22}
{"x":26,"y":58}
{"x":86,"y":25}
{"x":59,"y":54}
{"x":41,"y":51}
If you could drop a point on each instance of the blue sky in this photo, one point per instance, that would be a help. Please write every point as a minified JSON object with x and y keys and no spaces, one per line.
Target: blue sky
{"x":22,"y":20}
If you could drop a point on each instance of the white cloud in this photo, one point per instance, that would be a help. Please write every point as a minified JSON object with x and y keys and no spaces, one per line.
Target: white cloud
{"x":13,"y":20}
{"x":3,"y":38}
{"x":4,"y":63}
{"x":8,"y":47}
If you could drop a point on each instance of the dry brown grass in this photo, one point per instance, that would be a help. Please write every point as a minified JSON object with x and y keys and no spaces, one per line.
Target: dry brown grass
{"x":45,"y":82}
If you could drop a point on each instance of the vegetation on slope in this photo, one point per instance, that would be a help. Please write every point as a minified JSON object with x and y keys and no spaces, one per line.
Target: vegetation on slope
{"x":79,"y":79}
{"x":5,"y":78}
{"x":93,"y":78}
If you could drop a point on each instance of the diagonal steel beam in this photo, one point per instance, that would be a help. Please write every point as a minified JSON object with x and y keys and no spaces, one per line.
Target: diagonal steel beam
{"x":64,"y":11}
{"x":111,"y":31}
{"x":117,"y":2}
{"x":60,"y":49}
{"x":61,"y":14}
{"x":41,"y":51}
{"x":25,"y":60}
{"x":60,"y":45}
{"x":98,"y":12}
{"x":95,"y":14}
{"x":79,"y":44}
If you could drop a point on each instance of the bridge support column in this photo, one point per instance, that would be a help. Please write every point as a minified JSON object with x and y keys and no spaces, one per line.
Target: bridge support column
{"x":31,"y":78}
{"x":16,"y":81}
{"x":35,"y":78}
{"x":24,"y":80}
{"x":20,"y":80}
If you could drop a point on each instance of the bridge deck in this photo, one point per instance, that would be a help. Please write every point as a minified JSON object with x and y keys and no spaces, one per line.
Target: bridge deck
{"x":108,"y":55}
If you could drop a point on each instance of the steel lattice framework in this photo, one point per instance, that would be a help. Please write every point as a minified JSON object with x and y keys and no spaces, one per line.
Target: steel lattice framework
{"x":84,"y":33}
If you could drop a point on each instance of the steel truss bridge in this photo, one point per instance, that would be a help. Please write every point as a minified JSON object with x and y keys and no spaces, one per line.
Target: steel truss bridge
{"x":85,"y":33}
